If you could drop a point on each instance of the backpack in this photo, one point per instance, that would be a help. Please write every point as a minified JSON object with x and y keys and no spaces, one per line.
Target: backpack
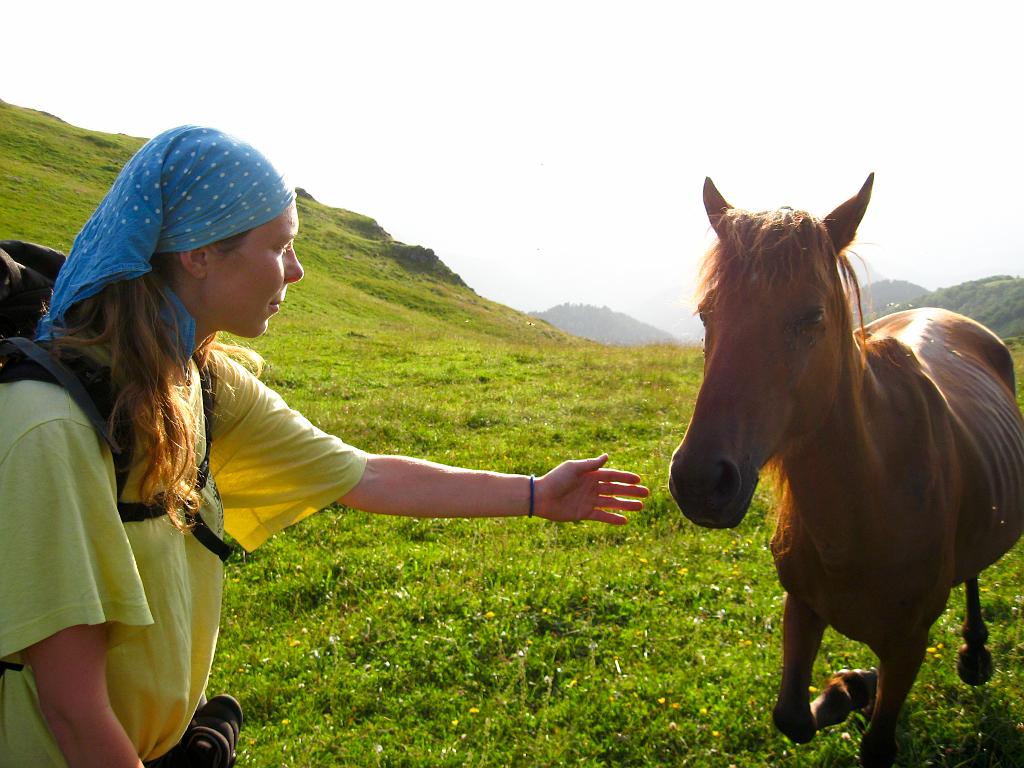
{"x":27,"y":274}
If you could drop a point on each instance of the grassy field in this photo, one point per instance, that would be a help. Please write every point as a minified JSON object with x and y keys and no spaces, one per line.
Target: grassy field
{"x":357,"y":640}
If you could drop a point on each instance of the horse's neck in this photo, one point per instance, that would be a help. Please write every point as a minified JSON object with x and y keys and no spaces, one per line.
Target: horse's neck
{"x":828,"y":472}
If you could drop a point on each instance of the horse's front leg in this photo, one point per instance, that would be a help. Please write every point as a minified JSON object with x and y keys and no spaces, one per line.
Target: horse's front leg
{"x":802,"y":629}
{"x":897,"y":669}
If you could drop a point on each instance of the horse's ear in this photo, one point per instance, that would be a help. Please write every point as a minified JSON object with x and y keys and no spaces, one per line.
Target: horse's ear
{"x":842,"y":223}
{"x":714,"y":204}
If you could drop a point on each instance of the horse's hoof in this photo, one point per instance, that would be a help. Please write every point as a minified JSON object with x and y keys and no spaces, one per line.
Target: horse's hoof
{"x":862,"y":685}
{"x":974,"y":666}
{"x":799,"y":728}
{"x":877,"y":753}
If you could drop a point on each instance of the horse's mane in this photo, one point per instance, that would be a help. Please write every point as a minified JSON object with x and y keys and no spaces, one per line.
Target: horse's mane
{"x":771,"y":247}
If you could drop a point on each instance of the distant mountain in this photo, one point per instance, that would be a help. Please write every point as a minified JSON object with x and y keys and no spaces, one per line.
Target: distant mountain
{"x":997,"y":302}
{"x":668,"y":309}
{"x":604,"y":325}
{"x":879,"y":297}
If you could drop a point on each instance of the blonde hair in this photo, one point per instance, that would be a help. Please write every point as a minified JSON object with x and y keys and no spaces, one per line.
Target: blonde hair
{"x":150,"y":385}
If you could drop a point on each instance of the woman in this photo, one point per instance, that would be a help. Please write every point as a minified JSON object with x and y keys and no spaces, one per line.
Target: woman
{"x":115,"y":622}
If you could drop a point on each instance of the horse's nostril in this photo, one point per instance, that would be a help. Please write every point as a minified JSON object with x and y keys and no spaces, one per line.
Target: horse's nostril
{"x":727,"y":486}
{"x":710,"y":489}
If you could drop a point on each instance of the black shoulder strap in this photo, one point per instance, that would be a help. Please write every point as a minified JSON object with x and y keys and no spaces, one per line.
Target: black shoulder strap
{"x":33,"y":362}
{"x":206,"y":384}
{"x":5,"y":665}
{"x":136,"y":511}
{"x":205,"y":536}
{"x":57,"y":373}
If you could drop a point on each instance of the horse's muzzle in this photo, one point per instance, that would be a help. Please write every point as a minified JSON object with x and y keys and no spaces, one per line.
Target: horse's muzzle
{"x":712,"y":492}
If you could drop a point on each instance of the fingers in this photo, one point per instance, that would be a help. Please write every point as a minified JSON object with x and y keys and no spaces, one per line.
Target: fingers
{"x":614,"y":502}
{"x":609,"y":500}
{"x":617,"y":476}
{"x":623,"y":488}
{"x":603,"y":516}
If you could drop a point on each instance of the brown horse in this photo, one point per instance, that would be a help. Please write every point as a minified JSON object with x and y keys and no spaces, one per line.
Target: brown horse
{"x":899,"y":449}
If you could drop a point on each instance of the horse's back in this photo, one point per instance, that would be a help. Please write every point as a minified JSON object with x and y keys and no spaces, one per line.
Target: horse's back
{"x":973,"y":371}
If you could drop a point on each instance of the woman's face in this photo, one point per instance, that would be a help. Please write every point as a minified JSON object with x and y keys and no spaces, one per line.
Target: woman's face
{"x":246,"y":285}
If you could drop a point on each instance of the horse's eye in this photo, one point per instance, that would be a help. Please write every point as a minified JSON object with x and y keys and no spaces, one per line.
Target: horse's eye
{"x":811,"y":319}
{"x":703,"y":317}
{"x":807,"y":322}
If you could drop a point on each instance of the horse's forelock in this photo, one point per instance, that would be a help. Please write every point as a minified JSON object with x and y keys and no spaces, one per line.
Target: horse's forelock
{"x":765,"y":248}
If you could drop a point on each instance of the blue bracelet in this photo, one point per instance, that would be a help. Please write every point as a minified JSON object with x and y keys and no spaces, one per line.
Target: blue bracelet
{"x":530,"y":513}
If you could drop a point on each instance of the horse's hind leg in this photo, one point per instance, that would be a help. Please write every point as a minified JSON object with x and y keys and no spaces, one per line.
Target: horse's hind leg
{"x":975,"y":662}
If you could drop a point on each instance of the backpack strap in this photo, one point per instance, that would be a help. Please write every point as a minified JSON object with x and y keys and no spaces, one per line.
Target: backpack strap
{"x":54,"y":371}
{"x":89,"y":386}
{"x":136,"y":511}
{"x":203,"y":533}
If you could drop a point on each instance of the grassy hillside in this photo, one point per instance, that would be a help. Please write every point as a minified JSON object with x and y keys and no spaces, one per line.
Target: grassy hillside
{"x":54,"y":174}
{"x":997,"y":302}
{"x":358,"y":640}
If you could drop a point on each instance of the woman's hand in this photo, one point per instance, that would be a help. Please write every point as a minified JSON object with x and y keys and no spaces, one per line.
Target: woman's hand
{"x":582,"y":490}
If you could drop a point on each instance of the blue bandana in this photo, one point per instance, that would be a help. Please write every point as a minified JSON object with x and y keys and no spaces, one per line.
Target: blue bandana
{"x":186,"y":188}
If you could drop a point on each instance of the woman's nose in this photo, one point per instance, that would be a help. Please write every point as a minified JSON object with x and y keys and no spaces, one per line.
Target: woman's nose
{"x":292,"y":268}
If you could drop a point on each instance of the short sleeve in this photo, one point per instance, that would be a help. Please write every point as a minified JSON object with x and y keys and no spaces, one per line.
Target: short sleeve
{"x":272,"y":466}
{"x":66,"y":559}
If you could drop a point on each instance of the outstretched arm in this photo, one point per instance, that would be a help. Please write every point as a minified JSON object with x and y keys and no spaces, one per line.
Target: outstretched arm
{"x":572,"y":491}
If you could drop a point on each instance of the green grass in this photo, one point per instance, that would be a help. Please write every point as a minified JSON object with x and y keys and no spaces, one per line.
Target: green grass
{"x":374,"y":641}
{"x":379,"y":641}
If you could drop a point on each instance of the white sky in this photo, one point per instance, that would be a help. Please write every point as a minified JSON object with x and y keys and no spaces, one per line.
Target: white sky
{"x":555,"y":151}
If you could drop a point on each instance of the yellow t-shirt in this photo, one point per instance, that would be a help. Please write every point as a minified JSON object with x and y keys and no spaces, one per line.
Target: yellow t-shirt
{"x":66,"y":558}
